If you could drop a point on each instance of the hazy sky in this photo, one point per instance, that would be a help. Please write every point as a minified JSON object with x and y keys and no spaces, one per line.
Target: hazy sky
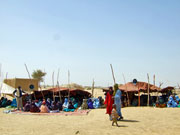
{"x":86,"y":36}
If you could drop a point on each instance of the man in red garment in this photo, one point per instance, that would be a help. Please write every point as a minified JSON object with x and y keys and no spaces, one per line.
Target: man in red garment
{"x":109,"y":101}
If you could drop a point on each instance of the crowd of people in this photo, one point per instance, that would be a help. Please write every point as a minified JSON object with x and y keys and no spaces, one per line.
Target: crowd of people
{"x":48,"y":105}
{"x":173,"y":101}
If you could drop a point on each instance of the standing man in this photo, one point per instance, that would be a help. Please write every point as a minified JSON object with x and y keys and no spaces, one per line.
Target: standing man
{"x":18,"y":94}
{"x":109,"y":102}
{"x":117,"y":100}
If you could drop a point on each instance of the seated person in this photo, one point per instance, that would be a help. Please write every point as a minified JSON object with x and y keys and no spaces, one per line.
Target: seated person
{"x":27,"y":107}
{"x":44,"y":108}
{"x":84,"y":104}
{"x":34,"y":108}
{"x":90,"y":104}
{"x":48,"y":103}
{"x":59,"y":105}
{"x":4,"y":102}
{"x":70,"y":106}
{"x":65,"y":104}
{"x":54,"y":105}
{"x":177,"y":99}
{"x":38,"y":103}
{"x":14,"y":103}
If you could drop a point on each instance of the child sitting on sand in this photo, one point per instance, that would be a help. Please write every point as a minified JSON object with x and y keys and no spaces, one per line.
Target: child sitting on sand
{"x":114,"y":115}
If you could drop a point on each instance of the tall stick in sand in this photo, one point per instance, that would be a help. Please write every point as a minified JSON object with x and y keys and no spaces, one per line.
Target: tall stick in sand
{"x":6,"y":75}
{"x":148,"y":90}
{"x":0,"y":70}
{"x":113,"y":74}
{"x":68,"y":85}
{"x":44,"y":80}
{"x":93,"y":88}
{"x":29,"y":78}
{"x":0,"y":79}
{"x":53,"y":85}
{"x":58,"y":86}
{"x":126,"y":89}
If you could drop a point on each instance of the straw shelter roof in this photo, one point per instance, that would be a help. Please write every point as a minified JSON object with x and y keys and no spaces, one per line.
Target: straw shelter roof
{"x":140,"y":86}
{"x":64,"y":91}
{"x":165,"y":90}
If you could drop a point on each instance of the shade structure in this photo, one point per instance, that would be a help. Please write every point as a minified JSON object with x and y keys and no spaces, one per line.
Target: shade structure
{"x":140,"y":86}
{"x":64,"y":92}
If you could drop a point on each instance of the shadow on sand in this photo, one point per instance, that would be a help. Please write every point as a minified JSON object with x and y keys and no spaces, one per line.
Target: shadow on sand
{"x":124,"y":120}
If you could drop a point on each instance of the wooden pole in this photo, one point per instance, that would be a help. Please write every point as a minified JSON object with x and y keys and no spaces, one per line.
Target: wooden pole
{"x":29,"y":78}
{"x":0,"y":78}
{"x":113,"y":74}
{"x":44,"y":80}
{"x":68,"y":85}
{"x":126,"y":89}
{"x":58,"y":86}
{"x":148,"y":90}
{"x":27,"y":71}
{"x":0,"y":70}
{"x":6,"y":75}
{"x":41,"y":92}
{"x":93,"y":88}
{"x":139,"y":96}
{"x":53,"y":85}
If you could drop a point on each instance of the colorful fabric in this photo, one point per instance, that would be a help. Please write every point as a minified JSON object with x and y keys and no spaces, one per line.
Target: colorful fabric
{"x":109,"y":102}
{"x":114,"y":115}
{"x":96,"y":103}
{"x":14,"y":103}
{"x":90,"y":104}
{"x":117,"y":101}
{"x":44,"y":109}
{"x":66,"y":103}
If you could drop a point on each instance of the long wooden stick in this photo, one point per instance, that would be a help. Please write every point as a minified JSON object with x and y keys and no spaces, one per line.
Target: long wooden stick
{"x":27,"y":71}
{"x":58,"y":86}
{"x":29,"y":78}
{"x":6,"y":75}
{"x":53,"y":85}
{"x":148,"y":90}
{"x":41,"y":92}
{"x":113,"y":74}
{"x":0,"y":70}
{"x":44,"y":80}
{"x":68,"y":85}
{"x":93,"y":88}
{"x":126,"y":89}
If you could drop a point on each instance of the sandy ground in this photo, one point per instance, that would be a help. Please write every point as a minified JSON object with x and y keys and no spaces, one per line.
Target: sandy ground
{"x":138,"y":120}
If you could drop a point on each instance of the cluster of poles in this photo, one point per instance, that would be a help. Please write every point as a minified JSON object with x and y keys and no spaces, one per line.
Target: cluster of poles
{"x":148,"y":90}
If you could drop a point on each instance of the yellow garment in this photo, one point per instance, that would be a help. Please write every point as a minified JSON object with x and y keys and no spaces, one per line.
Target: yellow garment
{"x":114,"y":115}
{"x":44,"y":109}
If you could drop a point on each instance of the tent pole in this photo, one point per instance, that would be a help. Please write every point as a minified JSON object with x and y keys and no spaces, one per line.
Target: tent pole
{"x":93,"y":89}
{"x":113,"y":74}
{"x":126,"y":90}
{"x":139,"y":99}
{"x":53,"y":85}
{"x":68,"y":85}
{"x":58,"y":86}
{"x":30,"y":79}
{"x":148,"y":89}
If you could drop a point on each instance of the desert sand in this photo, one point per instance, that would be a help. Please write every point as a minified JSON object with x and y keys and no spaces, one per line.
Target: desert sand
{"x":137,"y":120}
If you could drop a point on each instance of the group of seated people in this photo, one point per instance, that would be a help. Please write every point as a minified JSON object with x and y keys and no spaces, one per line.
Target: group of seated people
{"x":4,"y":102}
{"x":45,"y":106}
{"x":174,"y":101}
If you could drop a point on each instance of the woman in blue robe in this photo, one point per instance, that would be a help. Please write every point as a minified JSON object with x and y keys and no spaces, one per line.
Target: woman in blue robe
{"x":117,"y":100}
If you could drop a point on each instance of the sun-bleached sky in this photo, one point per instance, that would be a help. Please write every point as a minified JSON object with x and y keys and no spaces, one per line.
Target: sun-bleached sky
{"x":86,"y":36}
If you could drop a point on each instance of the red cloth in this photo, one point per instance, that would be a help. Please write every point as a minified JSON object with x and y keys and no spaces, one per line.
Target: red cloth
{"x":109,"y":102}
